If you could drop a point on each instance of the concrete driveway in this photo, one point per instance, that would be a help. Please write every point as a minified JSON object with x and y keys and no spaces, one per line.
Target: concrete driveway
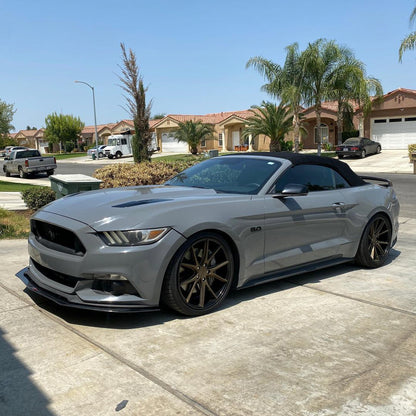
{"x":336,"y":342}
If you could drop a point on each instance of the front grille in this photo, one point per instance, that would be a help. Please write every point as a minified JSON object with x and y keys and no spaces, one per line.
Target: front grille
{"x":57,"y":238}
{"x":63,"y":279}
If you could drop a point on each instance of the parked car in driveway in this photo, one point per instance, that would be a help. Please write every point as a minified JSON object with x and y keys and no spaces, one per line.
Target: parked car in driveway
{"x":232,"y":221}
{"x":358,"y":146}
{"x":100,"y":150}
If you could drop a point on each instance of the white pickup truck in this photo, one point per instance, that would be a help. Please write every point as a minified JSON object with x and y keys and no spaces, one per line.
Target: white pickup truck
{"x":27,"y":162}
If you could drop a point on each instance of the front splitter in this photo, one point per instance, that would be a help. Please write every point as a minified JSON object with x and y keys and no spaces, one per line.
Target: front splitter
{"x":24,"y":276}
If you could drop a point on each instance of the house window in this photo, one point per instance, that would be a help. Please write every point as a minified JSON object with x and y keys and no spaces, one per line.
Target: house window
{"x":381,"y":120}
{"x":395,"y":120}
{"x":203,"y":143}
{"x":410,"y":119}
{"x":324,"y":134}
{"x":220,"y":139}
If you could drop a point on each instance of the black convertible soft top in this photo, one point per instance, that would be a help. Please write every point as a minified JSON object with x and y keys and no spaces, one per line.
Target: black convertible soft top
{"x":304,"y":159}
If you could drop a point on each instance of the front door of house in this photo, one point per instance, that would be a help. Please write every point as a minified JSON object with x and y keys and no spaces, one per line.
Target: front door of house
{"x":236,"y":138}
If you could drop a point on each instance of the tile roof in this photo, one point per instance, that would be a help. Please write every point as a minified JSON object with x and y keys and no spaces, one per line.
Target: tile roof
{"x":213,"y":118}
{"x":27,"y":133}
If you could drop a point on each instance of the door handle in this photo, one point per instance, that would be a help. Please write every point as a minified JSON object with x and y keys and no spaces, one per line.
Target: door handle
{"x":339,"y":207}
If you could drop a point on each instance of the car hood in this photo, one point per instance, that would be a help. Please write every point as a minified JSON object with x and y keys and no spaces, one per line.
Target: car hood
{"x":127,"y":208}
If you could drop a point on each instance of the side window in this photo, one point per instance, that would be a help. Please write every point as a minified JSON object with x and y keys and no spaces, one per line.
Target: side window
{"x":315,"y":177}
{"x":123,"y":141}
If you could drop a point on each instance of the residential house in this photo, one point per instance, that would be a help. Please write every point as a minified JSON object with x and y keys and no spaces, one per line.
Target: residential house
{"x":392,"y":122}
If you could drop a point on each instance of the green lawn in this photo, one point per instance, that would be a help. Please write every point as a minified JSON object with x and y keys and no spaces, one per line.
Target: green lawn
{"x":14,"y":224}
{"x":60,"y":156}
{"x":14,"y":187}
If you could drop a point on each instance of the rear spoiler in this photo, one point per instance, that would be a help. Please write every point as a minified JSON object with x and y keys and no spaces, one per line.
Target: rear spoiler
{"x":383,"y":182}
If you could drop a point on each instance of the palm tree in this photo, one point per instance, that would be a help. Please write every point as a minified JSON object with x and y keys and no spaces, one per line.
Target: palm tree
{"x":272,"y":121}
{"x":285,"y":83}
{"x":322,"y":60}
{"x":193,"y":133}
{"x":409,"y":42}
{"x":349,"y":85}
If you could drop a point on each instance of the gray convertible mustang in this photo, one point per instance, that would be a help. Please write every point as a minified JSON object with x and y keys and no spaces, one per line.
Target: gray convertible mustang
{"x":231,"y":221}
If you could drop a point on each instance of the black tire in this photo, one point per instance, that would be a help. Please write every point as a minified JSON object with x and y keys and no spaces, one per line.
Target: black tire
{"x":101,"y":155}
{"x":340,"y":156}
{"x":118,"y":155}
{"x":110,"y":156}
{"x":363,"y":154}
{"x":378,"y":150}
{"x":50,"y":172}
{"x":7,"y":174}
{"x":22,"y":174}
{"x":375,"y":243}
{"x":199,"y":276}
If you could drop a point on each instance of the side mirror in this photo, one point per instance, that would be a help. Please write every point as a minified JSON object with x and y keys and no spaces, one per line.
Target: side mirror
{"x":291,"y":190}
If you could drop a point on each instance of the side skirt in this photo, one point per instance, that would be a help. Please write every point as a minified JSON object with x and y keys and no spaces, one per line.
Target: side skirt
{"x":293,"y":271}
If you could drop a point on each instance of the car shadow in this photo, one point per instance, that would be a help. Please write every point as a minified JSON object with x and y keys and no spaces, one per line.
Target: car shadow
{"x":144,"y":319}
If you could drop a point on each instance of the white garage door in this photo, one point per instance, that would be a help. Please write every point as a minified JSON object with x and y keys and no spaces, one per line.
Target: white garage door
{"x":171,"y":145}
{"x":394,"y":132}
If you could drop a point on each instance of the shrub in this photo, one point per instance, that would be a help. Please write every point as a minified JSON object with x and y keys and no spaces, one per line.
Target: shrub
{"x":327,"y":146}
{"x":36,"y":198}
{"x":146,"y":173}
{"x":412,"y":149}
{"x":347,"y":134}
{"x":287,"y":146}
{"x":69,"y":147}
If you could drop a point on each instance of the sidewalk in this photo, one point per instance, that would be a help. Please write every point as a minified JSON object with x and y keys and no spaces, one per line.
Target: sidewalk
{"x":12,"y":201}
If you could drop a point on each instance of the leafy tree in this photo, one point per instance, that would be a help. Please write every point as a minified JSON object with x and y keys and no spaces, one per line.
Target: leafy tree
{"x":7,"y":141}
{"x":132,"y":84}
{"x":30,"y":128}
{"x":285,"y":83}
{"x":62,"y":128}
{"x":158,"y":116}
{"x":6,"y":117}
{"x":193,"y":132}
{"x":272,"y":121}
{"x":409,"y":42}
{"x":323,"y":60}
{"x":349,"y":85}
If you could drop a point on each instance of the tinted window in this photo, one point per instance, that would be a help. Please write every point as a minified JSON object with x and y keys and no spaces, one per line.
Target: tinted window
{"x":315,"y":177}
{"x":27,"y":153}
{"x":353,"y":141}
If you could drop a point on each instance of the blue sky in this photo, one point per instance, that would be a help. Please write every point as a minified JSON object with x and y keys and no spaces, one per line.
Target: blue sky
{"x":192,"y":54}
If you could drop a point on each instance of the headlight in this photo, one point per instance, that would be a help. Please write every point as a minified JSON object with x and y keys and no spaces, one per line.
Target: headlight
{"x":133,"y":237}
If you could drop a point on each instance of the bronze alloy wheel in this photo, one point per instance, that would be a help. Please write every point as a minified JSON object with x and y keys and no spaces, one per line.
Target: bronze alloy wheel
{"x":200,"y":276}
{"x":375,"y":242}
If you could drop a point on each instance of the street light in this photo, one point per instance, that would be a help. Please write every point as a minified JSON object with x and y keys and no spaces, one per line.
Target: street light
{"x":95,"y":116}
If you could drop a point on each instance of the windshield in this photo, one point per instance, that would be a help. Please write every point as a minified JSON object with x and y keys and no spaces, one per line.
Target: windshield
{"x":113,"y":142}
{"x":230,"y":174}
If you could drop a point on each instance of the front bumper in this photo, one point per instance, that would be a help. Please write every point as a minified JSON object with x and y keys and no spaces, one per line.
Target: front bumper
{"x":73,"y":301}
{"x":83,"y":280}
